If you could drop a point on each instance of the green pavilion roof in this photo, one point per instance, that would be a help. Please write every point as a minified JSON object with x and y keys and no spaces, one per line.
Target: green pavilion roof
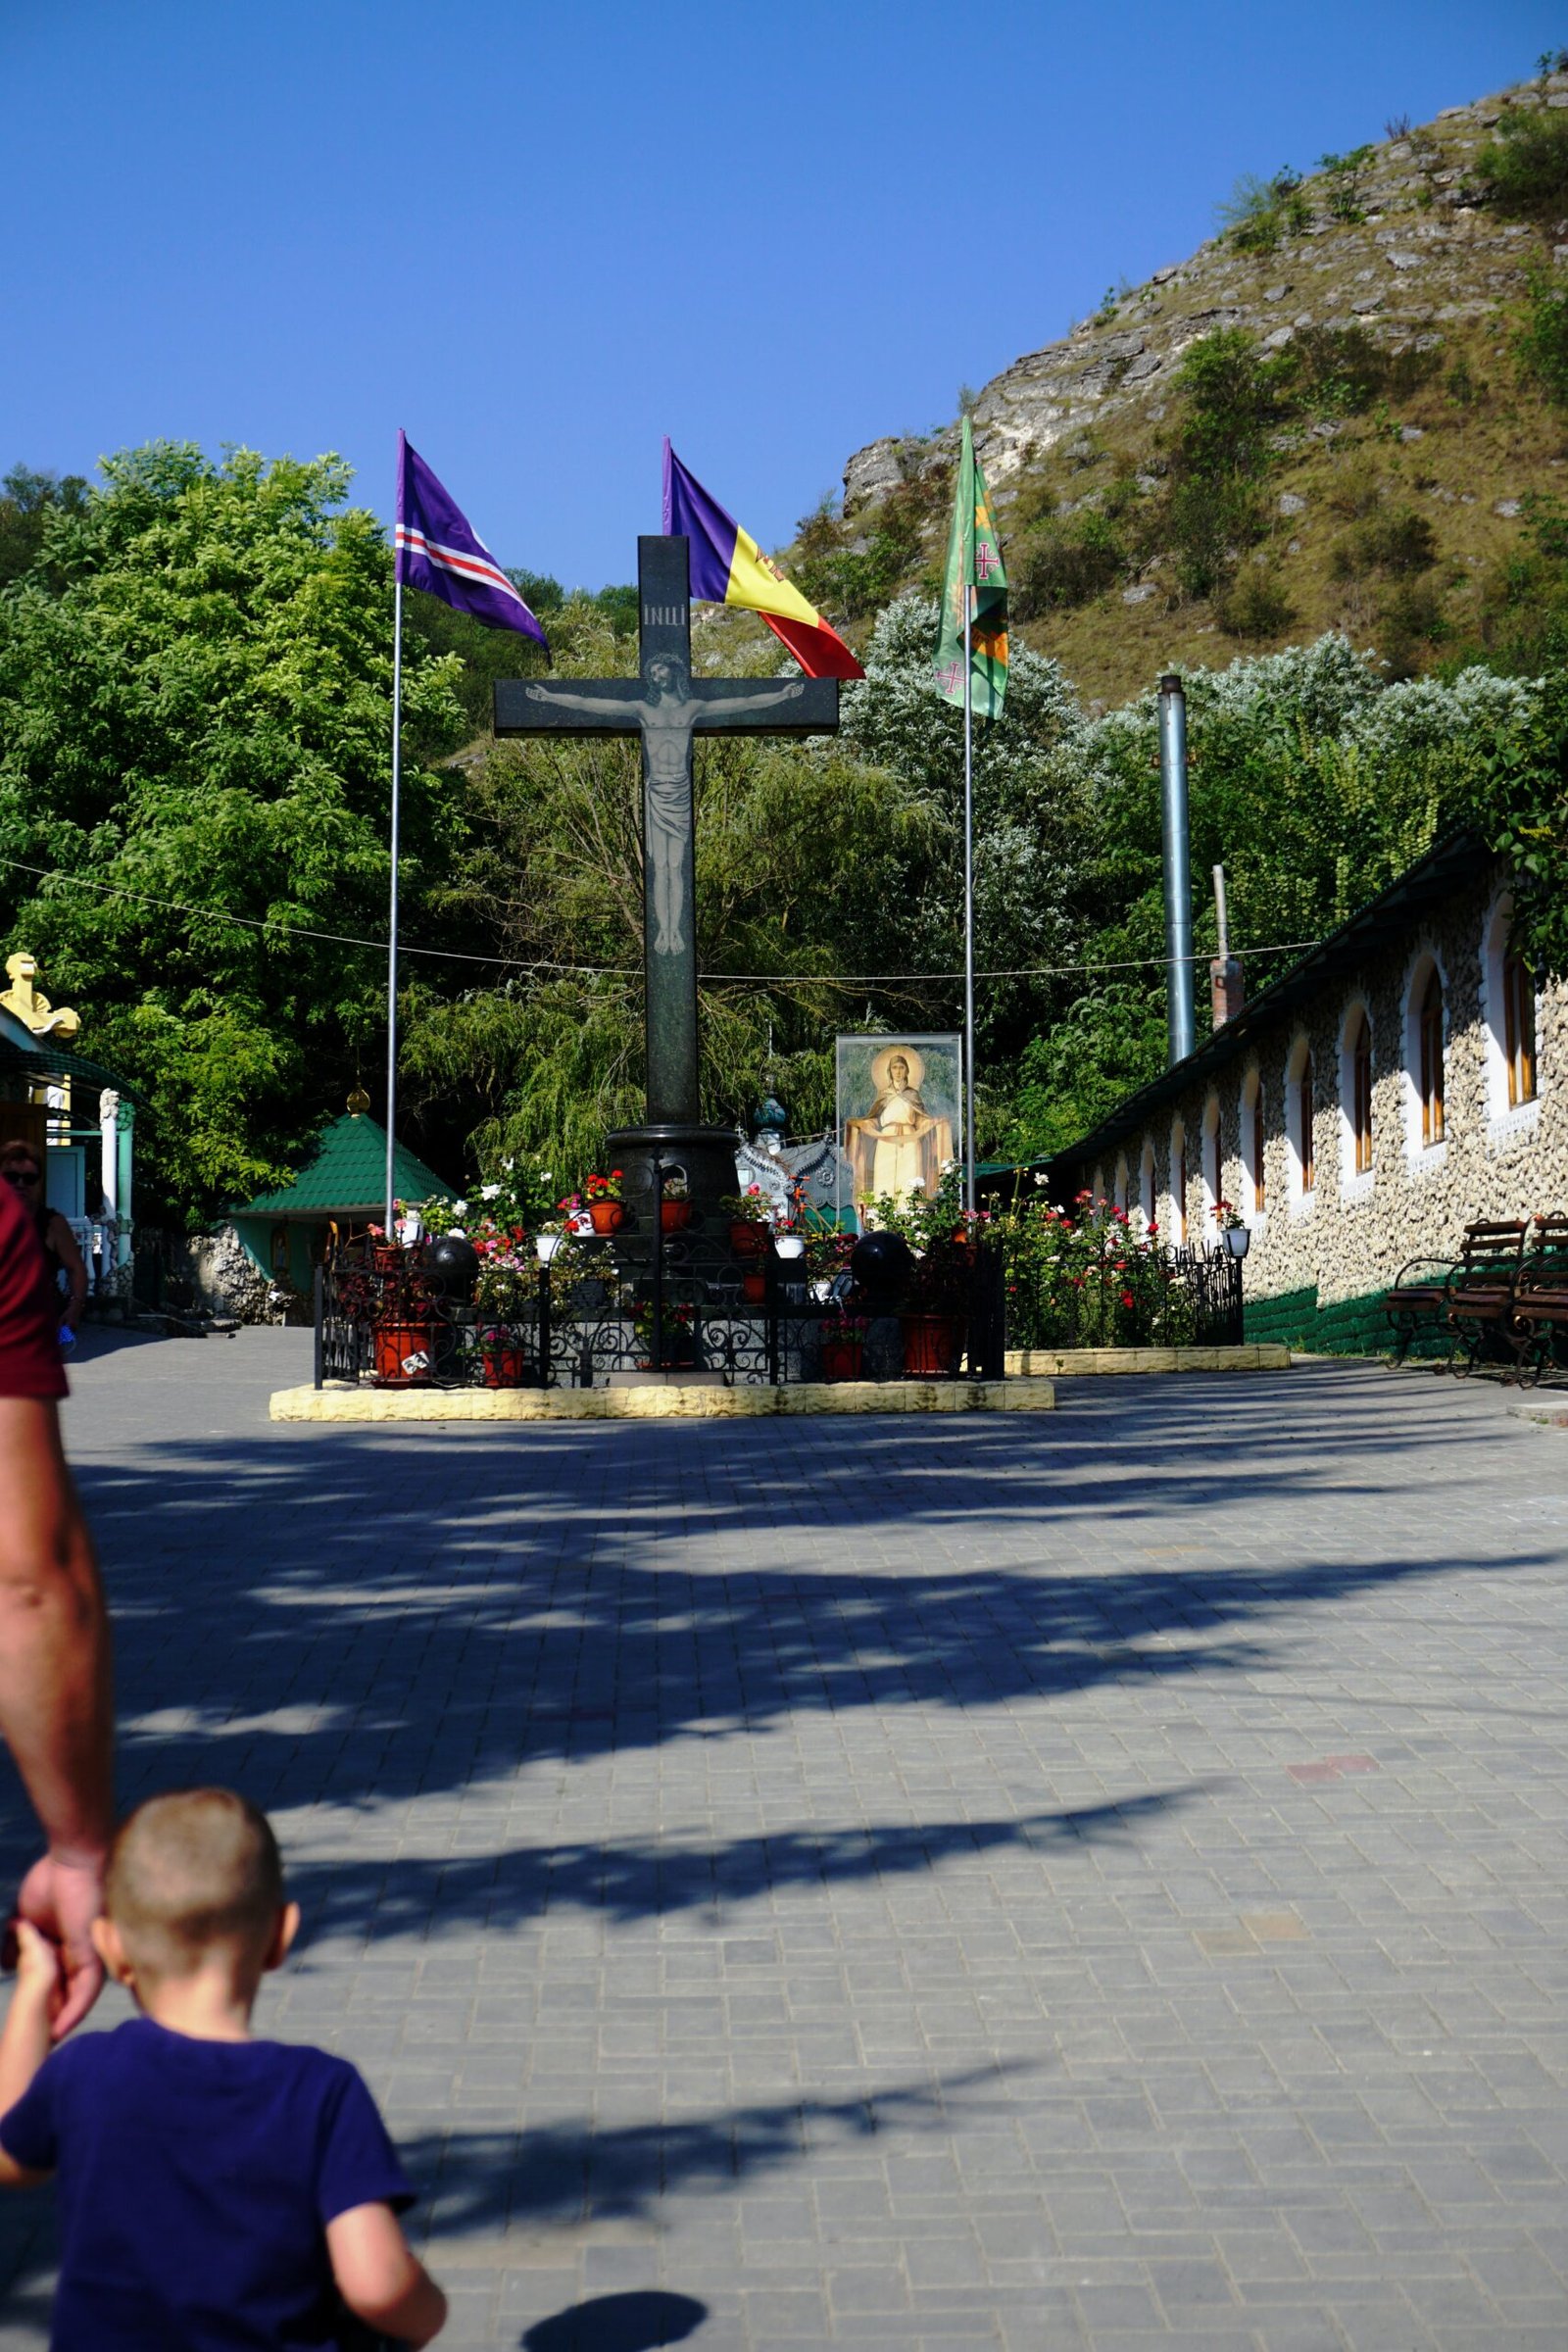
{"x":346,"y":1176}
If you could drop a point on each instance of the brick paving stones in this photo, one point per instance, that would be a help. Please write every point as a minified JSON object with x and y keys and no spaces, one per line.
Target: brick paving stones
{"x":1088,"y":1882}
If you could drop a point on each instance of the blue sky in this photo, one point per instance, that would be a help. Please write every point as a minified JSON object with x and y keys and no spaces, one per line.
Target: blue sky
{"x":540,"y":238}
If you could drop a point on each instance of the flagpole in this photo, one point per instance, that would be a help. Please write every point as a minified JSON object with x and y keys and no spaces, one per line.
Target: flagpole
{"x":392,"y":914}
{"x":969,"y":898}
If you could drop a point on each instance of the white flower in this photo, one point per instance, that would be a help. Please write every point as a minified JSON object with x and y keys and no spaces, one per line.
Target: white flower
{"x":489,"y":1192}
{"x":460,"y":1208}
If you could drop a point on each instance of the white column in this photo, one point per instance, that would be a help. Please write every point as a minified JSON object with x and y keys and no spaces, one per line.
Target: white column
{"x":109,"y":1156}
{"x":125,"y":1121}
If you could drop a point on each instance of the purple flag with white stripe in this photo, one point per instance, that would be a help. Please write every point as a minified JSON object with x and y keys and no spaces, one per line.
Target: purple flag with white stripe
{"x":438,"y":550}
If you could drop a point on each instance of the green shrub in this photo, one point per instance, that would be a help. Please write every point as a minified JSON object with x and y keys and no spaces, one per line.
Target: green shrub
{"x":1524,"y":167}
{"x":1258,"y":213}
{"x":1066,"y":563}
{"x":1344,"y":190}
{"x":1542,"y":341}
{"x":1394,"y":539}
{"x":1412,"y":621}
{"x":1255,"y":606}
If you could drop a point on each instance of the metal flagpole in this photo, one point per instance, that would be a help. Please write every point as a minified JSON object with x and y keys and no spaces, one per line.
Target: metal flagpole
{"x":968,"y":902}
{"x":392,"y":915}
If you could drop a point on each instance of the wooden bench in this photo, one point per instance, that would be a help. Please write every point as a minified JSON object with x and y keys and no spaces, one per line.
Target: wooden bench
{"x":1464,"y":1298}
{"x":1419,"y":1300}
{"x":1541,"y":1297}
{"x":1482,"y":1286}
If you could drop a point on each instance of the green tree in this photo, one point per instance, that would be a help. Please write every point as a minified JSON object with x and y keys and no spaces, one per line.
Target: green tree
{"x":194,"y":767}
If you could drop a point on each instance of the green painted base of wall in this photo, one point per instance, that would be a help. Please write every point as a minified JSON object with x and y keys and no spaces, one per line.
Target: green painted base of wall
{"x":1344,"y":1327}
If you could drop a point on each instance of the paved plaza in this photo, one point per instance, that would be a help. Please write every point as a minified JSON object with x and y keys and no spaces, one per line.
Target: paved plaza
{"x":1087,"y":1881}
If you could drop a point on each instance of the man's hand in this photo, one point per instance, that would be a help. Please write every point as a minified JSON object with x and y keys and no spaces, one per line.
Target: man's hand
{"x":62,"y":1899}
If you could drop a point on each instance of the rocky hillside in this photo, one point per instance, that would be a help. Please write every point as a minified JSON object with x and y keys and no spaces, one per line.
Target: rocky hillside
{"x":1322,"y":420}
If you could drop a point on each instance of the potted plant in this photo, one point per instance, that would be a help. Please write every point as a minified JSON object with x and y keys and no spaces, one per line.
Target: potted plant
{"x":502,"y":1291}
{"x":842,"y":1348}
{"x":1234,"y":1232}
{"x":675,"y":1206}
{"x":750,"y":1216}
{"x":677,"y":1336}
{"x":605,"y":1214}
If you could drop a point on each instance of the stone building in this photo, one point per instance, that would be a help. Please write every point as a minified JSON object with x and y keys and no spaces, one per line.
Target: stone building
{"x":1403,"y":1079}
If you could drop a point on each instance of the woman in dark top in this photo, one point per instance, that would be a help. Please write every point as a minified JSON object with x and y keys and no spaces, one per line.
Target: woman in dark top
{"x":20,"y":1165}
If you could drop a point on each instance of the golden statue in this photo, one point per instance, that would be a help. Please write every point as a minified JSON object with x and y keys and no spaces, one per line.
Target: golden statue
{"x":32,"y":1006}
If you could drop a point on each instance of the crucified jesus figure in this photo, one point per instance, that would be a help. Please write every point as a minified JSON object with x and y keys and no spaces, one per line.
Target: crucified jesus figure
{"x":666,"y":712}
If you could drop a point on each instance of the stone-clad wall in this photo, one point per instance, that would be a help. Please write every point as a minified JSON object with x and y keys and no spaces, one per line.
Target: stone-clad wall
{"x":1351,"y":1234}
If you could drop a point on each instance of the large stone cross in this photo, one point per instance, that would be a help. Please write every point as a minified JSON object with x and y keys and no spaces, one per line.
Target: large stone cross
{"x":666,"y":709}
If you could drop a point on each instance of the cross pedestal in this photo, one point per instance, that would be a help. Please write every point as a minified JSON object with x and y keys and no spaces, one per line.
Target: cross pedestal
{"x":665,"y":706}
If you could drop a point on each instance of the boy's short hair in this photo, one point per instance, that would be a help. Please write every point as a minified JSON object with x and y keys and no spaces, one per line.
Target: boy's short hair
{"x":188,"y":1869}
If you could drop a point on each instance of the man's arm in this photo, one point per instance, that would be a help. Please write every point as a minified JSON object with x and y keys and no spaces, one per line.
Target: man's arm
{"x":56,"y":1711}
{"x":597,"y":705}
{"x":715,"y":715}
{"x":63,"y":1244}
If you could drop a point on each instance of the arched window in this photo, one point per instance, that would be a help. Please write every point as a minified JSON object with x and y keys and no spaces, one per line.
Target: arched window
{"x":1299,"y":1109}
{"x":1518,"y":1028}
{"x":1178,"y":1181}
{"x":1213,"y":1167}
{"x":1254,"y":1181}
{"x":1429,"y":1059}
{"x":1358,"y":1091}
{"x":1146,"y":1182}
{"x":1508,"y":1007}
{"x":1120,"y":1194}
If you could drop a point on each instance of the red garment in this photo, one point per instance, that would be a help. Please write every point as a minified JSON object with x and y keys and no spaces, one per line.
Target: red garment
{"x":29,"y":1307}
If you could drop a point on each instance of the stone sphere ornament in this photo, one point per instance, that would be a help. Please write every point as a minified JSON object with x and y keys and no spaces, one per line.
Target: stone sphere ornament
{"x":880,"y":1261}
{"x":452,"y":1264}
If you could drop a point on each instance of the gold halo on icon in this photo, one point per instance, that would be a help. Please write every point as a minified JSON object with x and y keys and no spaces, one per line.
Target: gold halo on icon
{"x":891,"y":1054}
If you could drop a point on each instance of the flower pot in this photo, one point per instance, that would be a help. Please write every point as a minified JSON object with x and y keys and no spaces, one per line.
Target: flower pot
{"x":674,"y":1216}
{"x":605,"y":1216}
{"x":841,"y":1358}
{"x":386,"y":1258}
{"x":754,"y":1289}
{"x":403,"y":1354}
{"x":747,"y":1239}
{"x":504,"y":1368}
{"x":932,"y":1344}
{"x":790,"y":1245}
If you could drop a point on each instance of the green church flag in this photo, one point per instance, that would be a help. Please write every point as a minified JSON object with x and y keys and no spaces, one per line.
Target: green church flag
{"x":974,"y":561}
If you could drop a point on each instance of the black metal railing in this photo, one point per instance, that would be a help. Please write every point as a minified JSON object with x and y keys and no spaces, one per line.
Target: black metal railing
{"x":1121,"y":1299}
{"x":645,"y":1301}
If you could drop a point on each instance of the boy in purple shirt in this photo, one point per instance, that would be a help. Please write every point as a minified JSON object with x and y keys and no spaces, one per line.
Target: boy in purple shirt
{"x":216,"y":2194}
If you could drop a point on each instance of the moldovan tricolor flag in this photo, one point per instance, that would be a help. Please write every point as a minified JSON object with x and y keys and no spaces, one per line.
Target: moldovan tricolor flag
{"x":438,"y":550}
{"x":728,"y":567}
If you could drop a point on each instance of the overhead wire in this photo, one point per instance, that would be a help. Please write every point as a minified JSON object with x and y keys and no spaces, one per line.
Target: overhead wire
{"x":599,"y":971}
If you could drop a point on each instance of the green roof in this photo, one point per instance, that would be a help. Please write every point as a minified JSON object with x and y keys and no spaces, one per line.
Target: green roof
{"x":346,"y":1176}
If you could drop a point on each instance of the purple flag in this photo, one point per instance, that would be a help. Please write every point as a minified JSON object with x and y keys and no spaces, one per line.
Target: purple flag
{"x":438,"y":550}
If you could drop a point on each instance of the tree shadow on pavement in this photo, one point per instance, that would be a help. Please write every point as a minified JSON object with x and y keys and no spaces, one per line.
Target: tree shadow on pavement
{"x":631,"y":1878}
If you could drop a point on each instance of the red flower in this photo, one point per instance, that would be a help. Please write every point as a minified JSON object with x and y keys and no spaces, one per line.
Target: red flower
{"x":1126,"y":1298}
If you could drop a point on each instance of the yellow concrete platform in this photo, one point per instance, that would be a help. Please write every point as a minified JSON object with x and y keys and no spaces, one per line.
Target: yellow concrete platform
{"x":340,"y":1401}
{"x":1064,"y":1364}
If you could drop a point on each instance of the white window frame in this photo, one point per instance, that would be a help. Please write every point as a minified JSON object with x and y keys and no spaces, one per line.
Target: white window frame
{"x":1424,"y":1158}
{"x":1148,"y":1197}
{"x":1176,"y":1229}
{"x":1302,"y":1202}
{"x":1355,"y":1184}
{"x":1210,"y":1168}
{"x":1504,"y":1119}
{"x":1253,"y":1146}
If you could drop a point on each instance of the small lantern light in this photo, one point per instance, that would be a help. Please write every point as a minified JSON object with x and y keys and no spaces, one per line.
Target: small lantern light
{"x":547,"y":1244}
{"x":1237,"y":1239}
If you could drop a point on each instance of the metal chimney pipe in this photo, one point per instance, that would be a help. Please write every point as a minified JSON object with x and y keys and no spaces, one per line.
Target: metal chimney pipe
{"x":1180,"y":1028}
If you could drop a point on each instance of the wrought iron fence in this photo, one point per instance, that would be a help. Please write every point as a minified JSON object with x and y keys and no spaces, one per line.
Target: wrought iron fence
{"x":636,"y":1302}
{"x":1135,"y":1299}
